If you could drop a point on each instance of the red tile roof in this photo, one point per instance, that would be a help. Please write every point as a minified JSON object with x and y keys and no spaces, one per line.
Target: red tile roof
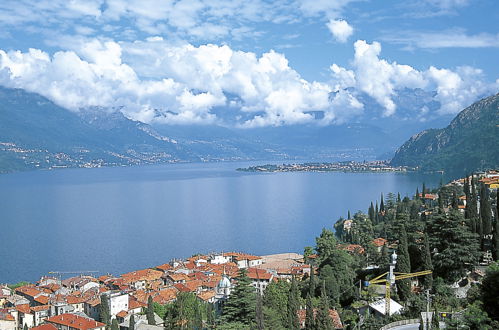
{"x":40,"y":308}
{"x":42,"y":299}
{"x":45,"y":327}
{"x":75,"y":321}
{"x":379,"y":241}
{"x":259,"y":274}
{"x":24,"y":308}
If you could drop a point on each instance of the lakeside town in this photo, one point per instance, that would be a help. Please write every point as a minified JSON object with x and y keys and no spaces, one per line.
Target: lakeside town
{"x":338,"y":284}
{"x":346,"y":166}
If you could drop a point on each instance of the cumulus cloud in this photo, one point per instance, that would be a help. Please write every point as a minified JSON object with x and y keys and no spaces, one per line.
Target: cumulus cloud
{"x":340,"y":29}
{"x":154,"y":80}
{"x":381,"y":80}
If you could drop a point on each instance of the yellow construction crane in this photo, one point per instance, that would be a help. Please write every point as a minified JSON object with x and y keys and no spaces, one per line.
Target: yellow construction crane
{"x":390,"y":277}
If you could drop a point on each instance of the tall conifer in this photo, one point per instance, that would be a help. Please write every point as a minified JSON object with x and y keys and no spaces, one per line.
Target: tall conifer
{"x":150,"y":311}
{"x":293,"y":306}
{"x":403,"y":264}
{"x":485,"y":210}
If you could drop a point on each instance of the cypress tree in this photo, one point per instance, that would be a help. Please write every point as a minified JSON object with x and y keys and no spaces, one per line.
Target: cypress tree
{"x":240,"y":307}
{"x":104,"y":315}
{"x":198,"y":316}
{"x":259,"y":313}
{"x":25,"y":327}
{"x":311,"y":284}
{"x":309,"y":314}
{"x":404,"y":264}
{"x":131,"y":325}
{"x":382,"y":204}
{"x":371,"y":212}
{"x":455,"y":201}
{"x":150,"y":311}
{"x":423,"y":193}
{"x":398,"y":198}
{"x":348,"y":215}
{"x":210,"y":316}
{"x":427,"y":264}
{"x":417,"y":193}
{"x":323,"y":320}
{"x":293,"y":306}
{"x":114,"y":325}
{"x":485,"y":210}
{"x":376,"y":213}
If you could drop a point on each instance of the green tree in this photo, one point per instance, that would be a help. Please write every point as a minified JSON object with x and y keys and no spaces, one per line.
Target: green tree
{"x":131,"y":325}
{"x":104,"y":315}
{"x":475,"y":318}
{"x":198,"y":317}
{"x":293,"y":306}
{"x":457,"y":249}
{"x":403,"y":265}
{"x":309,"y":314}
{"x":260,"y":322}
{"x":485,"y":210}
{"x":307,"y":251}
{"x":240,"y":307}
{"x":115,"y":325}
{"x":150,"y":311}
{"x":210,"y":316}
{"x":323,"y":320}
{"x":427,"y":264}
{"x":275,"y":300}
{"x":490,"y":291}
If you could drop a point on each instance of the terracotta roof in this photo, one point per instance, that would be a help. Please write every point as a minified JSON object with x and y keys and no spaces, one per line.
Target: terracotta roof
{"x":40,"y":308}
{"x":193,"y":285}
{"x":164,"y":267}
{"x":165,"y":296}
{"x":206,"y":295}
{"x":182,"y":288}
{"x":259,"y":274}
{"x":45,"y":327}
{"x":24,"y":308}
{"x":42,"y":299}
{"x":74,"y":300}
{"x":379,"y":241}
{"x":28,"y":290}
{"x":142,"y":275}
{"x":134,"y":303}
{"x":5,"y":315}
{"x":175,"y":277}
{"x":354,"y":248}
{"x":75,"y":321}
{"x":122,"y":314}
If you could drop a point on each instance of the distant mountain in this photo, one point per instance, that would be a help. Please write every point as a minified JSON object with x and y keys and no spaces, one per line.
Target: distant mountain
{"x":469,"y":143}
{"x":36,"y":133}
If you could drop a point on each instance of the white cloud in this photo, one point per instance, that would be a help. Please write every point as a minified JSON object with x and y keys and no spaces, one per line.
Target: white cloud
{"x":448,"y":4}
{"x":157,"y":81}
{"x":340,"y":29}
{"x":454,"y":38}
{"x":381,"y":80}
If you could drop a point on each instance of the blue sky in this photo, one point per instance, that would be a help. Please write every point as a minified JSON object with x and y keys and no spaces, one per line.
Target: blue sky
{"x":270,"y":62}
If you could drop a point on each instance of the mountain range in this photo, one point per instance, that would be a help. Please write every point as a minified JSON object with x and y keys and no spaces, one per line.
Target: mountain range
{"x":469,"y":143}
{"x":36,"y":133}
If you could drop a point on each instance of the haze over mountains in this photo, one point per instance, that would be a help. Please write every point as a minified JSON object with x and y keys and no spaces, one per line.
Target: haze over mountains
{"x":36,"y":133}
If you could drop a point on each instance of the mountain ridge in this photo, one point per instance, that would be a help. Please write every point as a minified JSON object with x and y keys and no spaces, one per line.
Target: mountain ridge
{"x":469,"y":143}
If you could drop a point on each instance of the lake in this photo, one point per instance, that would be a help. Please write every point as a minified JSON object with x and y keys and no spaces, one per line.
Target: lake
{"x":120,"y":219}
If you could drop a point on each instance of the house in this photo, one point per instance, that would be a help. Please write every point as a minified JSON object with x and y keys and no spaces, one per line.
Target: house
{"x":25,"y":316}
{"x":40,"y":313}
{"x":117,"y":301}
{"x":260,"y":279}
{"x":75,"y":322}
{"x":7,"y":320}
{"x":80,"y":283}
{"x":379,"y":243}
{"x":91,"y":307}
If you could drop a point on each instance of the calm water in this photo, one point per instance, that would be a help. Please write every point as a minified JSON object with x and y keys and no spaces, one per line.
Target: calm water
{"x":120,"y":219}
